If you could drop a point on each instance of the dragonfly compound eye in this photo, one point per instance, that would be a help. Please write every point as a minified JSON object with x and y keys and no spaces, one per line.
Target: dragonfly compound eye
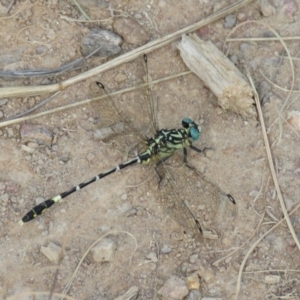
{"x":194,"y":133}
{"x":186,"y":122}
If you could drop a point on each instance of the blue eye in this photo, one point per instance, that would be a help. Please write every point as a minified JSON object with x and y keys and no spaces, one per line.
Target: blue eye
{"x":194,"y":133}
{"x":186,"y":122}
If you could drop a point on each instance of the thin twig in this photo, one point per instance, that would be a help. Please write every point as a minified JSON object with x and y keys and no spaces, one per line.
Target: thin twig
{"x":263,"y":39}
{"x":81,"y":10}
{"x":271,"y":164}
{"x":14,"y":121}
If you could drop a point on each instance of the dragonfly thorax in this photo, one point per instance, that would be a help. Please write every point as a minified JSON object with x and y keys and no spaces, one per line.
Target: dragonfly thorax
{"x":167,"y":141}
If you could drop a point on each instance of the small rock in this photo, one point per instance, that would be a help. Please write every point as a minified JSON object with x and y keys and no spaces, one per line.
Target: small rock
{"x":65,"y":157}
{"x":242,"y":17}
{"x":36,"y":133}
{"x":272,"y":61}
{"x":193,"y":284}
{"x":3,"y":101}
{"x":31,"y":101}
{"x":104,"y":250}
{"x":289,"y":8}
{"x":230,"y":21}
{"x":219,"y":5}
{"x":207,"y":275}
{"x":234,"y":59}
{"x":41,"y":49}
{"x":10,"y":132}
{"x":209,"y":153}
{"x":152,"y":256}
{"x":174,"y":288}
{"x":108,"y":41}
{"x":272,"y":279}
{"x":1,"y":114}
{"x":165,"y":249}
{"x":263,"y":90}
{"x":244,"y":47}
{"x":27,"y":149}
{"x":193,"y":258}
{"x":52,"y":252}
{"x":131,"y":31}
{"x":33,"y":145}
{"x":108,"y":132}
{"x":293,"y":118}
{"x":130,"y":212}
{"x":267,"y":9}
{"x":120,"y":78}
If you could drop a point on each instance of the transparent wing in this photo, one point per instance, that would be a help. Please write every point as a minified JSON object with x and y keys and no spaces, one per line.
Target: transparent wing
{"x":132,"y":111}
{"x":192,"y":200}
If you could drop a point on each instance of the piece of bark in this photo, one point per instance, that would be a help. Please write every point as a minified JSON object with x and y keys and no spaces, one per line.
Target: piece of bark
{"x":219,"y":74}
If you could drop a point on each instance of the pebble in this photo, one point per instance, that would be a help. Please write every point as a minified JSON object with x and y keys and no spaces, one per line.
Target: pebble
{"x":242,"y":17}
{"x":208,"y":275}
{"x":219,"y":5}
{"x":267,"y":9}
{"x":27,"y":149}
{"x":193,"y":284}
{"x":263,"y":90}
{"x":31,"y":101}
{"x":36,"y":133}
{"x":244,"y":47}
{"x":152,"y":256}
{"x":272,"y":61}
{"x":41,"y":49}
{"x":209,"y":153}
{"x":10,"y":132}
{"x":165,"y":249}
{"x":52,"y":252}
{"x":131,"y":31}
{"x":120,"y":78}
{"x":124,"y":196}
{"x":272,"y":279}
{"x":234,"y":59}
{"x":131,"y":212}
{"x":104,"y":250}
{"x":108,"y":41}
{"x":65,"y":157}
{"x":174,"y":288}
{"x":230,"y":21}
{"x":3,"y":101}
{"x":193,"y":258}
{"x":108,"y":132}
{"x":293,"y":118}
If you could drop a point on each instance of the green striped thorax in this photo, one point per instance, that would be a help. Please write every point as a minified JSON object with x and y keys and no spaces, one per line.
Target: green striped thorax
{"x":167,"y":141}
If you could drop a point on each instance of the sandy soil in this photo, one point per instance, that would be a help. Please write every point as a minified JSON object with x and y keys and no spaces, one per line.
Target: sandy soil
{"x":36,"y":36}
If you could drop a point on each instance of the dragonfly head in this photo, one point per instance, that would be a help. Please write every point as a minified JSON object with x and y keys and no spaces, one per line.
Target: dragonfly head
{"x":192,"y":128}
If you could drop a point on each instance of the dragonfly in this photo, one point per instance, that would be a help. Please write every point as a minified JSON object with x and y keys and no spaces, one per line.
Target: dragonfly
{"x":158,"y":148}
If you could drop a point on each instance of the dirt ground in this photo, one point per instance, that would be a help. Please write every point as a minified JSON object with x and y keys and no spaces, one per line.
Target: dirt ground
{"x":151,"y":246}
